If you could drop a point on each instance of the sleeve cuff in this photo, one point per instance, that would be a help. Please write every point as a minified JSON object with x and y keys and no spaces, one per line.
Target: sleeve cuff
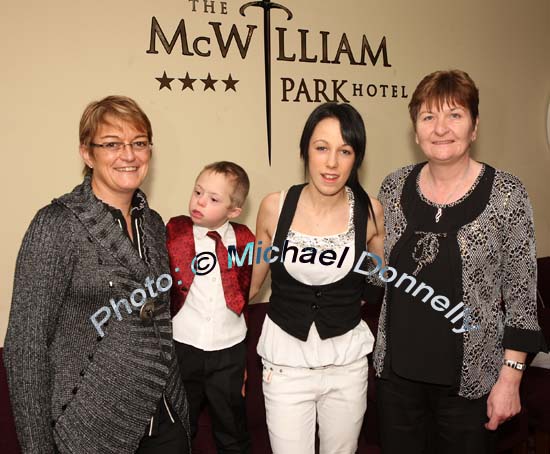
{"x":524,"y":340}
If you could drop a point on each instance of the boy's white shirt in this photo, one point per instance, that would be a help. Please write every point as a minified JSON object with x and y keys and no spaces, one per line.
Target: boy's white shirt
{"x":204,"y":321}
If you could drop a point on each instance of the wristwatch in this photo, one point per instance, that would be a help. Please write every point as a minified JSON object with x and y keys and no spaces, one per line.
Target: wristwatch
{"x":515,"y":364}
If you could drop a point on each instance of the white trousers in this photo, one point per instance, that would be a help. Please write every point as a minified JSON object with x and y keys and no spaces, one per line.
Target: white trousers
{"x":297,"y":398}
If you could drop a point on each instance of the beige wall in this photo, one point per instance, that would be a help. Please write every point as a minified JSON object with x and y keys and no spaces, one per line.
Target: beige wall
{"x":57,"y":56}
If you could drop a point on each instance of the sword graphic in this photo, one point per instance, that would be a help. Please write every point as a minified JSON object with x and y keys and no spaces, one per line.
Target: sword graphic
{"x":267,"y":5}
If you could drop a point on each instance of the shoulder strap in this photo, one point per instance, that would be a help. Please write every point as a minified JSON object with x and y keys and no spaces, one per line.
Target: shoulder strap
{"x":360,"y":220}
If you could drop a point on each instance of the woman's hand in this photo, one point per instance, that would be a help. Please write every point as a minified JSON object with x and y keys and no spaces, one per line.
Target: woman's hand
{"x":504,"y":402}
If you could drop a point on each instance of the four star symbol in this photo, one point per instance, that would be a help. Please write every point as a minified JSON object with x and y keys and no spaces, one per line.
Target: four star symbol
{"x":187,"y":82}
{"x":165,"y":81}
{"x":209,"y":83}
{"x":230,"y":83}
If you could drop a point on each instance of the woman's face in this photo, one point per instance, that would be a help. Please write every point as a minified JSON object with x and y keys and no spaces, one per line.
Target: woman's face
{"x":116,"y":172}
{"x":330,"y":158}
{"x":445,"y":135}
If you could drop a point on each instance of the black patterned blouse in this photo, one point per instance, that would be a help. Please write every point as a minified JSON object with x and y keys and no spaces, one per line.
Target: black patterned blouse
{"x":480,"y":253}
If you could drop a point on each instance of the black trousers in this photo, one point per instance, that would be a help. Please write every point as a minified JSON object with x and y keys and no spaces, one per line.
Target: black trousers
{"x":421,"y":418}
{"x":168,"y":437}
{"x":216,"y":378}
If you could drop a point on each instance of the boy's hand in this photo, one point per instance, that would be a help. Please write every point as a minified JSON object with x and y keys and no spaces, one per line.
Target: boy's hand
{"x":243,"y":389}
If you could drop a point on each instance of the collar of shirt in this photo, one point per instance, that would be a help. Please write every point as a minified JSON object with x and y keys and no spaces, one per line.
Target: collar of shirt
{"x":136,"y":212}
{"x":136,"y":207}
{"x":200,"y":232}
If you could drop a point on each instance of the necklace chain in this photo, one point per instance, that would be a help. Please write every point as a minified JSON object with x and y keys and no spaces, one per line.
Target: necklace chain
{"x":439,"y":212}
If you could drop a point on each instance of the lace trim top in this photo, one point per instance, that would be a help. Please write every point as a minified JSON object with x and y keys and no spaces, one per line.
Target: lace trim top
{"x":456,"y":202}
{"x":327,"y":241}
{"x":498,"y":265}
{"x":279,"y":347}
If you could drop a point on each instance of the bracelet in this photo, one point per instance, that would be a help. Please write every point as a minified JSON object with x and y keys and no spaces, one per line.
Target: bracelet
{"x":515,"y":364}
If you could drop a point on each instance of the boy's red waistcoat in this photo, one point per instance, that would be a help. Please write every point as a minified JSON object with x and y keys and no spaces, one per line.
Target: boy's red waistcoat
{"x":181,"y":250}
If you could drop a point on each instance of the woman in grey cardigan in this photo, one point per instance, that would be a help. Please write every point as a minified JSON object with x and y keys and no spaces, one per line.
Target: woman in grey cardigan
{"x":459,"y":312}
{"x":89,"y":345}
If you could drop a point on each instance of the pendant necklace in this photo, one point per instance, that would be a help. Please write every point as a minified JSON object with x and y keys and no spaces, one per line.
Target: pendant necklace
{"x":427,"y":247}
{"x":439,"y":206}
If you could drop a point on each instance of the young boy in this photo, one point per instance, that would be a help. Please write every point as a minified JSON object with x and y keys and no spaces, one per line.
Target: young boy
{"x":209,"y":329}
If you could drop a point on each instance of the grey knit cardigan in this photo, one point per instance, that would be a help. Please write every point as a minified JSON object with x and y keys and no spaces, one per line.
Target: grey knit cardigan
{"x":498,"y":265}
{"x":69,"y":386}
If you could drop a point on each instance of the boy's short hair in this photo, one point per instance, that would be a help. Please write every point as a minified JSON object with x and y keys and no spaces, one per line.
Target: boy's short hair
{"x":238,"y":174}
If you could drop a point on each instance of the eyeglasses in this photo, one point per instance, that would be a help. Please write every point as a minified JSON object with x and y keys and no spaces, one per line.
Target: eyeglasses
{"x":138,"y":145}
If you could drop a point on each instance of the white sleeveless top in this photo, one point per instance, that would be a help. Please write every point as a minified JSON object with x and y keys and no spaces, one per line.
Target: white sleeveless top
{"x":277,"y":346}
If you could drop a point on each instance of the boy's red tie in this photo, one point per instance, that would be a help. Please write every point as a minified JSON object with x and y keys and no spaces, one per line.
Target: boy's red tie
{"x":233,"y":296}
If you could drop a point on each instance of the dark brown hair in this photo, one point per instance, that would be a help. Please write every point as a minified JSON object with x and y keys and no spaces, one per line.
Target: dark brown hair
{"x":353,"y":132}
{"x":453,"y":87}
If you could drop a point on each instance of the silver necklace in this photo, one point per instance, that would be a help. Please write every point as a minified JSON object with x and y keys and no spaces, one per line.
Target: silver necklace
{"x":439,"y":206}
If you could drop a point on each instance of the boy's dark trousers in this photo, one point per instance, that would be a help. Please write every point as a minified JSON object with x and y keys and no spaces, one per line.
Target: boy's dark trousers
{"x":216,"y":378}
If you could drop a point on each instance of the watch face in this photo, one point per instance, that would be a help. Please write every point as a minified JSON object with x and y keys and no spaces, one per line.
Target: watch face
{"x":515,"y":364}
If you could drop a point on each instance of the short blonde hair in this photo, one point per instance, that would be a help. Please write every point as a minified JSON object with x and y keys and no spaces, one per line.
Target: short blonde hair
{"x":241,"y":183}
{"x":119,"y":107}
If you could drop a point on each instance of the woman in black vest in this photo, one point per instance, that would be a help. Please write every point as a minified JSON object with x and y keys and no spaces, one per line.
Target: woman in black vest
{"x":314,"y":343}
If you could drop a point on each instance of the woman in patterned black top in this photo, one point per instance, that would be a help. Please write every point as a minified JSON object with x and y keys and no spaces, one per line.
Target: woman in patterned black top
{"x":457,"y":322}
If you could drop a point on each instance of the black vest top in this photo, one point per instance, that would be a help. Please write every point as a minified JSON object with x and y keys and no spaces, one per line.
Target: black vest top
{"x":294,"y":306}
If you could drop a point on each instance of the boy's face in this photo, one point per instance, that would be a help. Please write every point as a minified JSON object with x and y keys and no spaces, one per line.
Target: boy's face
{"x":210,"y":203}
